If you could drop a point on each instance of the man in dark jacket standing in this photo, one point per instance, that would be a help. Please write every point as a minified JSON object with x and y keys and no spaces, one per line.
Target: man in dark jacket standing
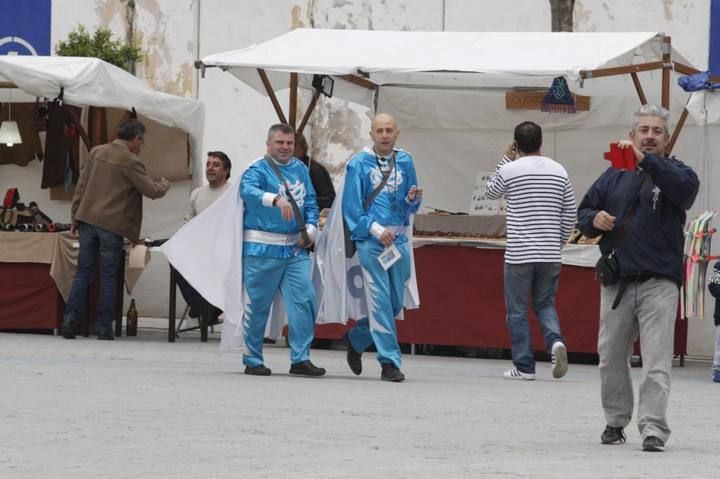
{"x":641,"y":215}
{"x":319,"y":175}
{"x":107,"y":206}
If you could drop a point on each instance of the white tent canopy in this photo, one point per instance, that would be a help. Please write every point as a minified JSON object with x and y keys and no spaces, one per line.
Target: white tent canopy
{"x":448,"y":91}
{"x":446,"y":59}
{"x":93,"y":82}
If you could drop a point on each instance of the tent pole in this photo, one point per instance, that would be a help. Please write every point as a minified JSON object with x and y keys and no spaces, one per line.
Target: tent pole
{"x":359,"y":81}
{"x":308,"y":112}
{"x":98,"y":133}
{"x":686,"y":70}
{"x":667,"y":66}
{"x":639,"y":88}
{"x":676,"y":132}
{"x":78,"y":125}
{"x":612,"y":71}
{"x":292,"y":116}
{"x":271,"y":94}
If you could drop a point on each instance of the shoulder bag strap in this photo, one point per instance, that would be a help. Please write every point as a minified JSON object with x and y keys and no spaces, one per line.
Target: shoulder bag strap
{"x":383,"y":182}
{"x":299,"y":219}
{"x":631,"y":211}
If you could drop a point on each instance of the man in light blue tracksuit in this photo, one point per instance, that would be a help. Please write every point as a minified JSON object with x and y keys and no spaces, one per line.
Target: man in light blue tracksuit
{"x":276,"y":238}
{"x":378,"y":227}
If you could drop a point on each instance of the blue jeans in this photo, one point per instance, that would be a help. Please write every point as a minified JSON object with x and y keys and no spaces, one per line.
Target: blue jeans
{"x":539,"y":281}
{"x":94,"y":241}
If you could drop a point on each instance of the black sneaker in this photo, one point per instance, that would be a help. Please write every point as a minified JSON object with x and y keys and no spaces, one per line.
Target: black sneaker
{"x":260,"y":370}
{"x":653,"y":444}
{"x":354,"y":359}
{"x":391,"y":373}
{"x":67,"y":330}
{"x":306,"y":368}
{"x":612,"y":435}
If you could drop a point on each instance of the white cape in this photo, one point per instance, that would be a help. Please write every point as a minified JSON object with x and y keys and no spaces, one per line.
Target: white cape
{"x":207,"y":252}
{"x":341,"y":295}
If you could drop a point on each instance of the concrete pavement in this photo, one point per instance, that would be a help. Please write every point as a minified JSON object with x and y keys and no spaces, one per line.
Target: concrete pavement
{"x":144,"y":408}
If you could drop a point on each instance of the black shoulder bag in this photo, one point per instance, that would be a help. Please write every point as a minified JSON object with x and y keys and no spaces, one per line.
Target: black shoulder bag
{"x":608,"y":268}
{"x":299,"y":219}
{"x":349,"y":243}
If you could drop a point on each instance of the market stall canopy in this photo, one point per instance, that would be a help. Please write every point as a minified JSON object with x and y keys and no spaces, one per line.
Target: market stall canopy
{"x":449,"y":90}
{"x":94,"y":82}
{"x":440,"y":59}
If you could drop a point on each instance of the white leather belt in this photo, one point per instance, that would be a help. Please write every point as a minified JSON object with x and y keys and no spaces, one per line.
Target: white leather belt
{"x":278,"y":239}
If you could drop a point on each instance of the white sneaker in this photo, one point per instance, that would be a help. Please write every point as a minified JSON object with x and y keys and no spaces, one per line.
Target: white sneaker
{"x":513,"y":373}
{"x":559,"y":360}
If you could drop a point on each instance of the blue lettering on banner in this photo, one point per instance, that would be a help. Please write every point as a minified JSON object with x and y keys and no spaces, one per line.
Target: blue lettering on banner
{"x":25,"y":27}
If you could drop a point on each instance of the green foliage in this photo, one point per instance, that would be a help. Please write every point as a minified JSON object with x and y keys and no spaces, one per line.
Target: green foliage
{"x":79,"y":43}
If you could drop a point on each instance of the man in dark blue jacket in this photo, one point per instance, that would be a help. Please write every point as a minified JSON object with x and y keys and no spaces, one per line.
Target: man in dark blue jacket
{"x":641,"y":215}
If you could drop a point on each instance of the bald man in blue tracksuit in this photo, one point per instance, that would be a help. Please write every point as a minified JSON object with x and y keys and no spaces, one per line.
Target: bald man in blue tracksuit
{"x":375,"y":229}
{"x":275,"y":255}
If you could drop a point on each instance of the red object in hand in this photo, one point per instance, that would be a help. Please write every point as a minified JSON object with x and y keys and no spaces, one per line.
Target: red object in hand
{"x":620,"y":159}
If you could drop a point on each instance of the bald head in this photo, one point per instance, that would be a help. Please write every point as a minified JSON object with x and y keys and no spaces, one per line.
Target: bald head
{"x":384,"y":133}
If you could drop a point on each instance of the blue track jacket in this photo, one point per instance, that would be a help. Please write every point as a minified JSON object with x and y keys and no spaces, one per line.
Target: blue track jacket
{"x":391,"y":207}
{"x":258,"y":187}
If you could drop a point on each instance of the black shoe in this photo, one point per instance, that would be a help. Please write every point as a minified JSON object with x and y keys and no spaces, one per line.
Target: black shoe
{"x":306,"y":368}
{"x":215,"y":316}
{"x":653,"y":444}
{"x":612,"y":435}
{"x":260,"y":370}
{"x":390,"y":372}
{"x":67,"y":330}
{"x":105,"y":336}
{"x":354,"y":359}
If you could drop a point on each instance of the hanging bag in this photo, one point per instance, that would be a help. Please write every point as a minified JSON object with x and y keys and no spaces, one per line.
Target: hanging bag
{"x":607,"y":267}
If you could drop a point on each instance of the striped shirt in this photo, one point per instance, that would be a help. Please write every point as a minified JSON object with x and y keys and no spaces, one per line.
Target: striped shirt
{"x":540,"y":208}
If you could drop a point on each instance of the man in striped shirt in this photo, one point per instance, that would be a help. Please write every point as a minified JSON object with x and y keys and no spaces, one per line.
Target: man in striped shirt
{"x":540,"y":218}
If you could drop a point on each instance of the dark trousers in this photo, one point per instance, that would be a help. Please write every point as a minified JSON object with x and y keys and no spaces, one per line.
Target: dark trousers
{"x":195,"y":300}
{"x":94,"y":242}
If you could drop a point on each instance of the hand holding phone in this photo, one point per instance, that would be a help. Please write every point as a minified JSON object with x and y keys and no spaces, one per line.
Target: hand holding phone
{"x":511,"y":151}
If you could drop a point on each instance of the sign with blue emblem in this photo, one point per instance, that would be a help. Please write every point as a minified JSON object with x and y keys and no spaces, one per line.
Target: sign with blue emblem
{"x":25,"y":27}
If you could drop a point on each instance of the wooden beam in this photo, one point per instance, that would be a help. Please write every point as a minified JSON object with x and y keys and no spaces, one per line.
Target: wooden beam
{"x":667,"y":66}
{"x":358,"y":81}
{"x":532,"y":100}
{"x":612,"y":71}
{"x":293,"y":99}
{"x":639,"y":88}
{"x":678,"y":128}
{"x":79,"y":126}
{"x":308,"y":112}
{"x":686,"y":70}
{"x":97,"y":124}
{"x":271,"y":94}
